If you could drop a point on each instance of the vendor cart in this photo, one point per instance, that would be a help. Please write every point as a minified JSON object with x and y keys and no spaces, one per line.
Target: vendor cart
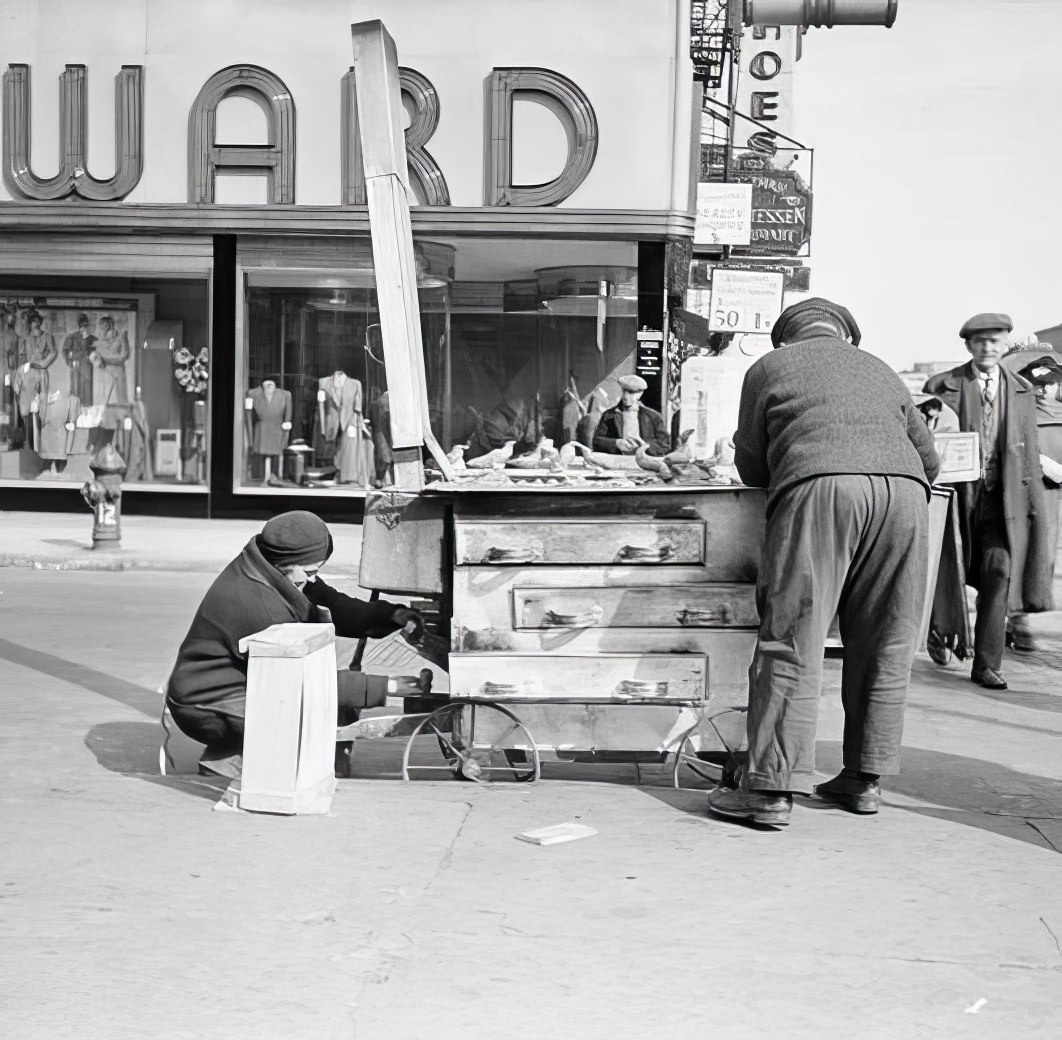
{"x":588,"y":608}
{"x":601,"y":619}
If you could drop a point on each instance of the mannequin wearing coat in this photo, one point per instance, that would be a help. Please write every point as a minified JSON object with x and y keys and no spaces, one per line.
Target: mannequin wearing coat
{"x":268,"y":411}
{"x":339,"y":410}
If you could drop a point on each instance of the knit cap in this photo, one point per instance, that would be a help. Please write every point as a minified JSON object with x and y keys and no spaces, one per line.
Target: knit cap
{"x":293,"y":538}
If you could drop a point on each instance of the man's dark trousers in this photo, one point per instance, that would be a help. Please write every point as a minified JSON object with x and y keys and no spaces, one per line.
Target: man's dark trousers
{"x":990,"y":548}
{"x":855,"y":547}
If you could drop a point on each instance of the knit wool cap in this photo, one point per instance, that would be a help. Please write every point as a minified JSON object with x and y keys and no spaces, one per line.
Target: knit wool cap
{"x":293,"y":538}
{"x":804,"y":316}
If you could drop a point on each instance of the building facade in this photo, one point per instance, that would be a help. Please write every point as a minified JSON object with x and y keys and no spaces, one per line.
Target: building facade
{"x":185,"y":264}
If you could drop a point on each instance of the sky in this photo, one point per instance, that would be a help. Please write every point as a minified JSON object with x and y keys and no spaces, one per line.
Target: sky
{"x":938,"y":170}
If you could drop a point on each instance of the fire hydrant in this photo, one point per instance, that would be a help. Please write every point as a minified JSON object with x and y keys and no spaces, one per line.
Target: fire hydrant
{"x":104,"y":497}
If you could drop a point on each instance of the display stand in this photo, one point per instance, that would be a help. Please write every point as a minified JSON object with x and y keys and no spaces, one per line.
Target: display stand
{"x":290,"y":726}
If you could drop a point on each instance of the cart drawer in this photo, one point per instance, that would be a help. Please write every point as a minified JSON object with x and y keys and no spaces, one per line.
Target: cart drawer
{"x":579,"y":540}
{"x":632,"y":678}
{"x":647,"y":606}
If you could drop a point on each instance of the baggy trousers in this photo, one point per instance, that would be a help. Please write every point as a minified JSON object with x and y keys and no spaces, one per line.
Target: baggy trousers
{"x":854,"y":547}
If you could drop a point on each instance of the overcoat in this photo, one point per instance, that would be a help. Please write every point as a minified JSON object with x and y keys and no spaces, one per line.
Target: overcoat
{"x":270,"y":437}
{"x":1024,"y":506}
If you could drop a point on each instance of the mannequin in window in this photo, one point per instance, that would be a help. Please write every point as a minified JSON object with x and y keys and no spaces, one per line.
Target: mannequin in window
{"x":339,"y":417}
{"x":57,"y":418}
{"x":77,"y":347}
{"x":109,"y":354}
{"x":268,"y":413}
{"x":31,"y":378}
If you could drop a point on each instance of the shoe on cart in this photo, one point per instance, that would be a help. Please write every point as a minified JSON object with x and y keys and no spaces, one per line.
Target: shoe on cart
{"x":989,"y":678}
{"x":766,"y":808}
{"x":851,"y":793}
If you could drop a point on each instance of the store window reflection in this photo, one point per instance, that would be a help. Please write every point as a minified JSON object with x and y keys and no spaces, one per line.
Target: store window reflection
{"x":128,"y":368}
{"x":522,"y":341}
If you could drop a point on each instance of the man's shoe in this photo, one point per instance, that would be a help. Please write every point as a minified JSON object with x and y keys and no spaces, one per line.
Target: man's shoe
{"x":989,"y":678}
{"x":938,"y":650}
{"x":767,"y":808}
{"x":851,"y":793}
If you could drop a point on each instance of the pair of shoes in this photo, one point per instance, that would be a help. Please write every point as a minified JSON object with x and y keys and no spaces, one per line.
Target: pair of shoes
{"x":989,"y":678}
{"x":938,"y":650}
{"x":768,"y":808}
{"x":851,"y":793}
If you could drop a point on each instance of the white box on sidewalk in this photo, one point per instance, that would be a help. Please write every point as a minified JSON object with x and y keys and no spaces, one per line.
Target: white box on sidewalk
{"x":290,"y":727}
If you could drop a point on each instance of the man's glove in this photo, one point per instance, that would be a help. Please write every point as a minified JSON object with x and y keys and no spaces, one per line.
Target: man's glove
{"x":411,"y":623}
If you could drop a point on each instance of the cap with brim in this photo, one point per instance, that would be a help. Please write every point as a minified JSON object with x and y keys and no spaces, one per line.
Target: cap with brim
{"x":989,"y":321}
{"x":632,"y":383}
{"x":297,"y":537}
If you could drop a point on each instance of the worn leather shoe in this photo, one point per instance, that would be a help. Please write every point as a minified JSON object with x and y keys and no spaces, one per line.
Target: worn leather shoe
{"x":767,"y":808}
{"x":989,"y":678}
{"x":851,"y":793}
{"x":937,"y":648}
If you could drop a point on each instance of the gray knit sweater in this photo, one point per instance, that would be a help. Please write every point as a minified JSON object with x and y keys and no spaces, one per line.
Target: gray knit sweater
{"x":823,"y":407}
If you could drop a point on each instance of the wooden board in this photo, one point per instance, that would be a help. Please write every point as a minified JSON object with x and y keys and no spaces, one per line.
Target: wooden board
{"x":604,"y":677}
{"x":293,"y":639}
{"x":708,"y":605}
{"x":579,"y":540}
{"x":403,"y":537}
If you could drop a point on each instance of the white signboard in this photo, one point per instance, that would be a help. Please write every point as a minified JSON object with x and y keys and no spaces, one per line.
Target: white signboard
{"x":710,"y":390}
{"x":724,"y":215}
{"x":745,"y":301}
{"x":960,"y":457}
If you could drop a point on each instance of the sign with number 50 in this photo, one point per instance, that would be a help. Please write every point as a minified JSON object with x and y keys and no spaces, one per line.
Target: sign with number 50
{"x":745,"y":301}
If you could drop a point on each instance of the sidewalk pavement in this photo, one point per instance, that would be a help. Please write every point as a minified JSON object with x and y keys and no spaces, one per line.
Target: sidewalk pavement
{"x":63,"y":541}
{"x":133,"y":912}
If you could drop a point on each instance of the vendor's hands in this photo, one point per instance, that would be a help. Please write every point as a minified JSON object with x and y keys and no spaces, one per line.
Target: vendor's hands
{"x":628,"y":445}
{"x":411,"y":622}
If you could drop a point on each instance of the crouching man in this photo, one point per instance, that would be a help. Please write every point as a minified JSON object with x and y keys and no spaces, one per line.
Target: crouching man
{"x":273,"y":581}
{"x":847,"y":461}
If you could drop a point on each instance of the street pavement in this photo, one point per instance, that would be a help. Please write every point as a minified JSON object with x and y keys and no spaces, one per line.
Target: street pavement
{"x":130,"y":909}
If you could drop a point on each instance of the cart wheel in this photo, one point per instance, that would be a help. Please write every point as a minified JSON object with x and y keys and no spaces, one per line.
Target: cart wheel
{"x":445,"y":744}
{"x":686,"y":757}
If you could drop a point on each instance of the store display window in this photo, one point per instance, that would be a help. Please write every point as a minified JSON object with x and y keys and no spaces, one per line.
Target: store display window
{"x":84,"y":369}
{"x":522,"y":341}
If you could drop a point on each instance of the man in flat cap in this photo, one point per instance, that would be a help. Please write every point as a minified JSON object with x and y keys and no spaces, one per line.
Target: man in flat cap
{"x":630,"y":424}
{"x":833,"y":435}
{"x":1002,"y":515}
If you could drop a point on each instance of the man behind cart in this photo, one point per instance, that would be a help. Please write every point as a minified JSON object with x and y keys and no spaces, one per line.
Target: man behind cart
{"x":847,"y":460}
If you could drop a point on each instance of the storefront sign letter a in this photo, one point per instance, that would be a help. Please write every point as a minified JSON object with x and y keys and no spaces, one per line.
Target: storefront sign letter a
{"x":276,"y":158}
{"x":73,"y":178}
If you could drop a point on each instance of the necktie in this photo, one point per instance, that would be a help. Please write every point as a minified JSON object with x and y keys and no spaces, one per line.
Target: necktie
{"x":989,"y":430}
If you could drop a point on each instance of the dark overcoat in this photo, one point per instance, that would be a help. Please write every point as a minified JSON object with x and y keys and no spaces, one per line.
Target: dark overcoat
{"x":1024,"y":506}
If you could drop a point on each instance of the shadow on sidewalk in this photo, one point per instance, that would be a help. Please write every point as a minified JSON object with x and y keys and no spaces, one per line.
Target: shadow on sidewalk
{"x":969,"y":791}
{"x":79,"y":674}
{"x":132,"y":749}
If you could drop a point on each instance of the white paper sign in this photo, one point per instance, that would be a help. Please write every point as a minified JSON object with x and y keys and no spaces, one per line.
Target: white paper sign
{"x":745,"y":301}
{"x":724,"y":215}
{"x":710,"y":392}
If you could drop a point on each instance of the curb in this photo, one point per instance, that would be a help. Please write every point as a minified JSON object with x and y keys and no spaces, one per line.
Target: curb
{"x":113,"y":562}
